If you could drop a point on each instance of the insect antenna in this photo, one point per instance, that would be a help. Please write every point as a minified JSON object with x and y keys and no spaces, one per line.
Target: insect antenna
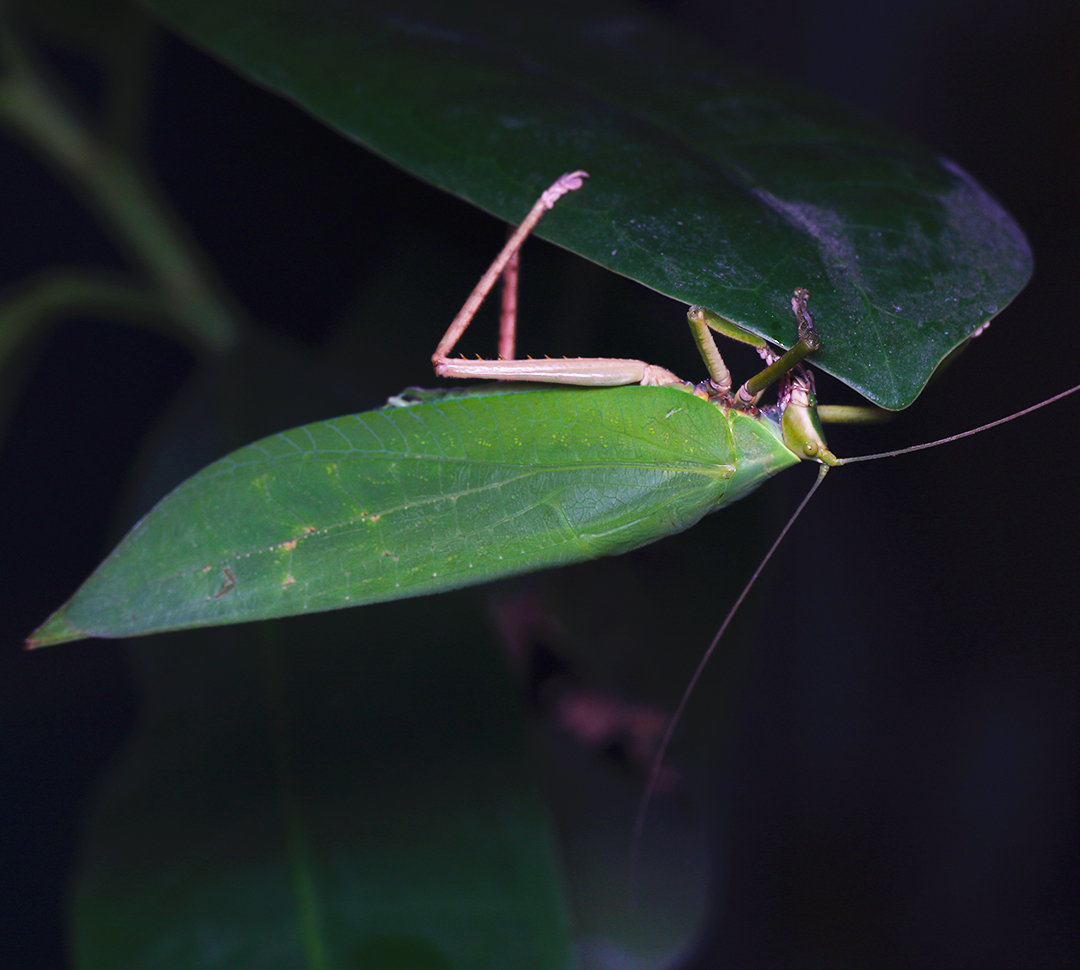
{"x":963,"y":434}
{"x":669,"y":732}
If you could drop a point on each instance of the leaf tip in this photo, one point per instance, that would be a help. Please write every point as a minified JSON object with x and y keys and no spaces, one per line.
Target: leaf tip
{"x":54,"y":630}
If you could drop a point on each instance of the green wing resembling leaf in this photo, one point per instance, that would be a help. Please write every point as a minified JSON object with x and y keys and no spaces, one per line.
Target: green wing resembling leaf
{"x":419,"y":499}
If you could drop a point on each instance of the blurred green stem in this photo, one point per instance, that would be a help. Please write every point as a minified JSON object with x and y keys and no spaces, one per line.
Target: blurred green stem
{"x":276,"y":697}
{"x":71,"y":292}
{"x":122,"y":193}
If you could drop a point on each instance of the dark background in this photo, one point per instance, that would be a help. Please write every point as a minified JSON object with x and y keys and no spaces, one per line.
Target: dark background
{"x":900,"y":787}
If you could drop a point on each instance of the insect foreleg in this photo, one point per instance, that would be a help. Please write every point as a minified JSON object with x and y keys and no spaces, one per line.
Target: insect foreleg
{"x":719,"y":375}
{"x":808,"y":342}
{"x":702,"y":321}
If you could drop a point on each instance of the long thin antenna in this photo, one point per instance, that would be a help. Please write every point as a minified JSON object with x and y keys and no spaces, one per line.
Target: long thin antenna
{"x":962,"y":434}
{"x":669,"y":732}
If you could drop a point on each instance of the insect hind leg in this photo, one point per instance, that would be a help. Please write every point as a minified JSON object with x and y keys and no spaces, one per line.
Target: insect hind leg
{"x":582,"y":371}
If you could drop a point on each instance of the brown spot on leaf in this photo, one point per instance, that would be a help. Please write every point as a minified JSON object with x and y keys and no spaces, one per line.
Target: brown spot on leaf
{"x":228,"y":582}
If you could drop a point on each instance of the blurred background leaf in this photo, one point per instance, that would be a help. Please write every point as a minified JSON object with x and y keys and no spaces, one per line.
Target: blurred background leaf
{"x":317,"y":795}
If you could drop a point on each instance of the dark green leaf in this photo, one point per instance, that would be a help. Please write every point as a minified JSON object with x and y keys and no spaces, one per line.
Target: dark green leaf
{"x":292,"y":801}
{"x":707,"y":186}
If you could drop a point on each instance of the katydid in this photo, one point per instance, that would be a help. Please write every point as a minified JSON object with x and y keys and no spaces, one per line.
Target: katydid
{"x":440,"y":490}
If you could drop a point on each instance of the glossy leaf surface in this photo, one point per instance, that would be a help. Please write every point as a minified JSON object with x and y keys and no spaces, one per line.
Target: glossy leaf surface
{"x":421,"y":498}
{"x":711,"y":187}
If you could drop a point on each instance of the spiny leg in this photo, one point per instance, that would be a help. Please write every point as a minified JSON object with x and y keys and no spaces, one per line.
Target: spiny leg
{"x":565,"y":183}
{"x":582,"y":371}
